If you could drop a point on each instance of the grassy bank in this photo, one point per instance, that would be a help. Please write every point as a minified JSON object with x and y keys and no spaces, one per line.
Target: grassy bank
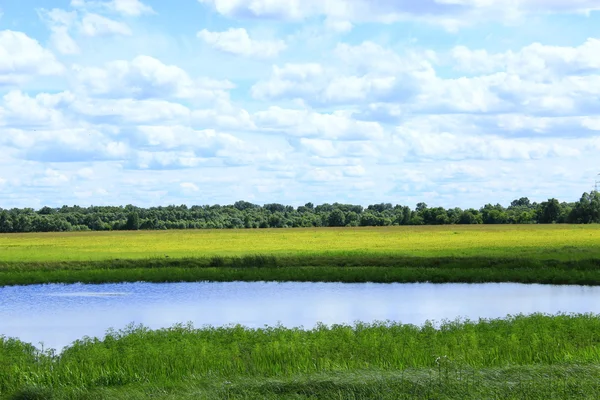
{"x":324,"y":268}
{"x":519,"y":357}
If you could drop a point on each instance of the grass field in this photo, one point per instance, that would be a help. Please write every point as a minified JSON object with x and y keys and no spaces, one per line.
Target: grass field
{"x":562,"y":242}
{"x":534,"y":357}
{"x":559,"y":254}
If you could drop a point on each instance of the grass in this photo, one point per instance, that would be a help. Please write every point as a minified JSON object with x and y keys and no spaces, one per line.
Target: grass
{"x":405,"y":271}
{"x":562,"y":242}
{"x":533,"y":357}
{"x":555,"y":254}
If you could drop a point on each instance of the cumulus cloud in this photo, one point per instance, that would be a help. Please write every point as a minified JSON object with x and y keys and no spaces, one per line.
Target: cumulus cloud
{"x":23,"y":58}
{"x":535,"y":61}
{"x":545,"y":79}
{"x":305,"y":123}
{"x":291,"y":80}
{"x":59,"y":22}
{"x":449,"y":14}
{"x":146,"y":77}
{"x":205,"y":143}
{"x":23,"y":111}
{"x":126,"y":112}
{"x":237,"y":41}
{"x":362,"y":73}
{"x":97,"y":25}
{"x":223,"y":114}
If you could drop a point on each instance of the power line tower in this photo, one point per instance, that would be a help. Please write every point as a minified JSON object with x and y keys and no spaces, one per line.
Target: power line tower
{"x":597,"y":183}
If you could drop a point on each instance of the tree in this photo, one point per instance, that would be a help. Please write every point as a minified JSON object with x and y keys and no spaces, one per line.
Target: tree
{"x":6,"y":225}
{"x":352,"y":219}
{"x":550,"y":210}
{"x":336,"y":218}
{"x":522,"y":202}
{"x":133,"y":221}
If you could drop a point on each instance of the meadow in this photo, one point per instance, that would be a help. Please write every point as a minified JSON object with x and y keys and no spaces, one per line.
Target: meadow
{"x":565,"y":254}
{"x":533,"y":357}
{"x":563,"y":242}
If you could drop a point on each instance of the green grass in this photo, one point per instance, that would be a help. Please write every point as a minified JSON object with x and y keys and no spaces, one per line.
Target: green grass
{"x":559,"y":254}
{"x":562,"y":242}
{"x":535,"y":357}
{"x":315,"y":268}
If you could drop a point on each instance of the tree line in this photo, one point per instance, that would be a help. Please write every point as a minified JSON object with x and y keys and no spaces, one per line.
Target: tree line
{"x":243,"y":214}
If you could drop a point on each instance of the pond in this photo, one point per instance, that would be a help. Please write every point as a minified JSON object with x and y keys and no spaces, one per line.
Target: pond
{"x":56,"y":314}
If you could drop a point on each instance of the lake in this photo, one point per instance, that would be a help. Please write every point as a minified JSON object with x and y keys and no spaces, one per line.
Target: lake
{"x":58,"y":314}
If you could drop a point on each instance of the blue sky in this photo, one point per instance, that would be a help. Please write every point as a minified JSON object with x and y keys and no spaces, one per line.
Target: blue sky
{"x":451,"y":102}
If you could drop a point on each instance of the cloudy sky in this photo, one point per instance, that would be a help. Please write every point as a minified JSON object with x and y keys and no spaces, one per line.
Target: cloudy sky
{"x":451,"y":102}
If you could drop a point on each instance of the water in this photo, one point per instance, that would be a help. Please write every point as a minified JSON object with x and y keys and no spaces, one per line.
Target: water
{"x":59,"y":314}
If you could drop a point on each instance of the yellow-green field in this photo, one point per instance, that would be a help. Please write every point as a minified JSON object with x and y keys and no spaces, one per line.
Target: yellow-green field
{"x":560,"y":242}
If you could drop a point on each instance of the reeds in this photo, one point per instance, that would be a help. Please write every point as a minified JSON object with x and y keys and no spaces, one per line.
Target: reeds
{"x":465,"y":357}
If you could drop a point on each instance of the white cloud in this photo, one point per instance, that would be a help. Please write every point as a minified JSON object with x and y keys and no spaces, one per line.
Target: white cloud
{"x":223,"y":114}
{"x":339,"y":26}
{"x":363,"y":73}
{"x":60,"y":22}
{"x":21,"y":110}
{"x":125,"y":7}
{"x":316,"y":175}
{"x":354,"y":171}
{"x":291,"y":80}
{"x":452,"y":146}
{"x":146,"y":77}
{"x":51,"y":177}
{"x":86,"y":173}
{"x":204,"y":143}
{"x":63,"y":42}
{"x":130,"y":7}
{"x":535,"y":61}
{"x":450,"y":14}
{"x":97,"y":25}
{"x":305,"y":123}
{"x":237,"y":41}
{"x":23,"y":58}
{"x":189,"y":186}
{"x":63,"y":145}
{"x":370,"y":57}
{"x":130,"y":111}
{"x":545,"y":79}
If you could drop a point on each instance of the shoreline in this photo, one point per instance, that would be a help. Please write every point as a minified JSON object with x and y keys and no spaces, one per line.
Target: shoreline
{"x":308,"y":268}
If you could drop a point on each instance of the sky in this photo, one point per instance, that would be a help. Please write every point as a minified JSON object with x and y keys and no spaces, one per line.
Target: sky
{"x":455,"y":103}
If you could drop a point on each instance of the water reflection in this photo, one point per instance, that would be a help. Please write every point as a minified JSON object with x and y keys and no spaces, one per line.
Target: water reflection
{"x":59,"y":314}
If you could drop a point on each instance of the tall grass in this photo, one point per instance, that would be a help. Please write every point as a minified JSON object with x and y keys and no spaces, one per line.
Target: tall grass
{"x":337,"y":268}
{"x":457,"y":350}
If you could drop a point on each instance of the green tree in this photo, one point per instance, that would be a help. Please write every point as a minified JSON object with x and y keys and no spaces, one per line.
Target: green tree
{"x":336,"y":218}
{"x":133,"y":221}
{"x":550,"y":211}
{"x":6,"y":224}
